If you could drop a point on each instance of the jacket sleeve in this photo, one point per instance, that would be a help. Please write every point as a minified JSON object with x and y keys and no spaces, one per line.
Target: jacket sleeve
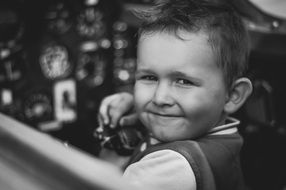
{"x":162,"y":170}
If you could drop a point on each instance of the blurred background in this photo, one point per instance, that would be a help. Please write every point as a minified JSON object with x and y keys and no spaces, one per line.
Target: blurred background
{"x":59,"y":58}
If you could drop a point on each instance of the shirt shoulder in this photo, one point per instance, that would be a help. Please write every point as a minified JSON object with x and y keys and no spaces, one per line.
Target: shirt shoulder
{"x":163,"y":169}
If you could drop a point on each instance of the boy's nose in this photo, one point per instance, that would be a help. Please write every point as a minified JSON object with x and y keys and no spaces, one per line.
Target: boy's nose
{"x":162,"y":95}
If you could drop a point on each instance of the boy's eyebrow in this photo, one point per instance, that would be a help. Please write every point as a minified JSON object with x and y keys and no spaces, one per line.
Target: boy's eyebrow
{"x":144,"y":71}
{"x":182,"y":74}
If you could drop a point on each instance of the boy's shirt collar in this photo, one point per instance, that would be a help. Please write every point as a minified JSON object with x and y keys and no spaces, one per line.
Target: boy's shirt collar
{"x":229,"y":127}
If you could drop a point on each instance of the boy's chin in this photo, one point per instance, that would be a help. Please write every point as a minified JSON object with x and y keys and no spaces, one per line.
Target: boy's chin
{"x":168,"y":137}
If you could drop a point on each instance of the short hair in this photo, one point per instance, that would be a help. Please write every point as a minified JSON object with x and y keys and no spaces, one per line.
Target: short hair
{"x":227,"y":34}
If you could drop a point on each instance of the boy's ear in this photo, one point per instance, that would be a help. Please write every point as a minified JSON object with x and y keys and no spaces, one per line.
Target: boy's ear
{"x":239,"y":93}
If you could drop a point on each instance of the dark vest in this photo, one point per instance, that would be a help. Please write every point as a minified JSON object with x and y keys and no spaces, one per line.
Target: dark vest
{"x":214,"y":160}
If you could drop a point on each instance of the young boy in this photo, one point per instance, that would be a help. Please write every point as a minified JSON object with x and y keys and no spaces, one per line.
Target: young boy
{"x":192,"y":58}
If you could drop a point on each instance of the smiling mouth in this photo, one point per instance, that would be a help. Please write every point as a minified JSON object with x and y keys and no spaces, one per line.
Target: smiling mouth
{"x":163,"y":120}
{"x":164,"y":115}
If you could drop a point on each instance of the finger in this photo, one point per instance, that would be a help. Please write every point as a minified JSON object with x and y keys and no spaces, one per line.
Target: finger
{"x":104,"y":108}
{"x":120,"y":107}
{"x":100,"y":120}
{"x":117,"y":109}
{"x":129,"y":120}
{"x":115,"y":115}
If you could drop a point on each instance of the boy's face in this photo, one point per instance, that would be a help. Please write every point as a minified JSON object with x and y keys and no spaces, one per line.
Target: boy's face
{"x":180,"y":91}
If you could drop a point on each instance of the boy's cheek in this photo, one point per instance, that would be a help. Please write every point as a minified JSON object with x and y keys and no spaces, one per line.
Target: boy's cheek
{"x":142,"y":94}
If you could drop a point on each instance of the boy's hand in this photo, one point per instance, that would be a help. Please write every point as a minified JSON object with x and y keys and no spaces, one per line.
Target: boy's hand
{"x":113,"y":107}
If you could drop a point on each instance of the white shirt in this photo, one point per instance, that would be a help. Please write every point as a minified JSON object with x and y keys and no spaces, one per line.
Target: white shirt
{"x":168,"y":169}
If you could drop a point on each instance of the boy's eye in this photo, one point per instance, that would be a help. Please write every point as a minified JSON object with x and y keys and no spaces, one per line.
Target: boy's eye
{"x":184,"y":82}
{"x":147,"y":78}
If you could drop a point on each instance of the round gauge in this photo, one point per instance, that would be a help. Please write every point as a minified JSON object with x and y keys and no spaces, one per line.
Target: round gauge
{"x":12,"y":69}
{"x":11,"y":32}
{"x":91,"y":68}
{"x":38,"y":107}
{"x":11,"y":27}
{"x":59,"y":18}
{"x":90,"y":23}
{"x":55,"y":62}
{"x":12,"y":58}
